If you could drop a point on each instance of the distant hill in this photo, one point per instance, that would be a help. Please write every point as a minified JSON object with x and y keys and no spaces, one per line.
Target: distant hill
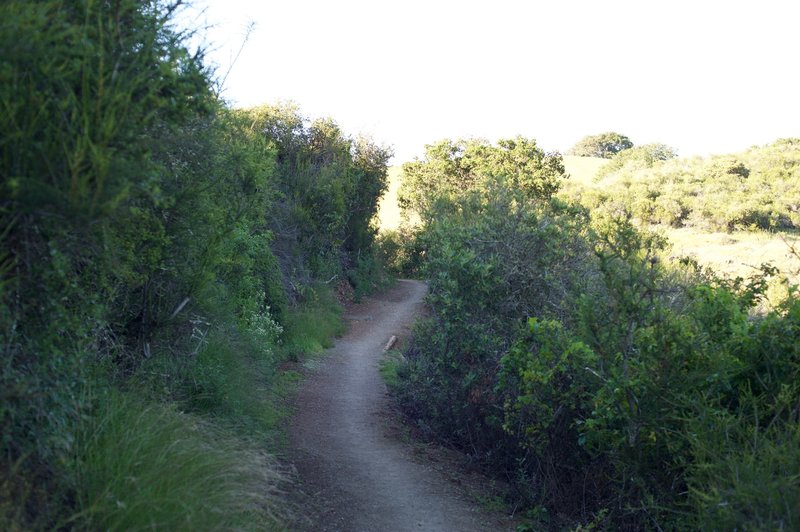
{"x":731,"y":212}
{"x":755,"y":189}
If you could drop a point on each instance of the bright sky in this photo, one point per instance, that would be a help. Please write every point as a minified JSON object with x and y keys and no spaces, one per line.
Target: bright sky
{"x":703,"y":76}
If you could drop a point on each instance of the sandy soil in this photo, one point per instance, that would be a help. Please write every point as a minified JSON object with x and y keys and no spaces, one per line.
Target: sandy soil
{"x":354,"y":470}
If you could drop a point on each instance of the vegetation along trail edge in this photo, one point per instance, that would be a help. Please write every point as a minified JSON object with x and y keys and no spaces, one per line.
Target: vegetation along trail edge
{"x":355,"y":473}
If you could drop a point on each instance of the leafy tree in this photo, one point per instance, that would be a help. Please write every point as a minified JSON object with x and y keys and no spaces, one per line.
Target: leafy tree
{"x":453,"y":169}
{"x":639,"y":157}
{"x":328,"y":189}
{"x":604,"y":145}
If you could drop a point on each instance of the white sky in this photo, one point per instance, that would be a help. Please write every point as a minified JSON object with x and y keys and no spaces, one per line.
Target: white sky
{"x":703,"y":76}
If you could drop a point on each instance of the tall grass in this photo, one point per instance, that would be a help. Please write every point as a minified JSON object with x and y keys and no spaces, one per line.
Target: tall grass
{"x":311,"y":327}
{"x":238,"y":384}
{"x":189,"y":450}
{"x":149,"y":466}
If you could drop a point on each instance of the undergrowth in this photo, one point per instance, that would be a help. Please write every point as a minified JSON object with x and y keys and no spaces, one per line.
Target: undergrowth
{"x":143,"y":466}
{"x":163,"y":255}
{"x":311,"y":327}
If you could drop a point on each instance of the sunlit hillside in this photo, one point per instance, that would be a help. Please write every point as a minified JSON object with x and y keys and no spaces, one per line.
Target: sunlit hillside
{"x":737,"y":253}
{"x":582,"y":170}
{"x":388,"y":209}
{"x":729,"y":212}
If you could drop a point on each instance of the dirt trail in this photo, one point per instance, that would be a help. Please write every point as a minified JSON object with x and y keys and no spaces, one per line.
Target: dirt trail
{"x":354,"y":471}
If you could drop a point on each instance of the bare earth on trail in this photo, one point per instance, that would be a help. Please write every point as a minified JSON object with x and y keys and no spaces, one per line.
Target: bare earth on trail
{"x":354,"y":471}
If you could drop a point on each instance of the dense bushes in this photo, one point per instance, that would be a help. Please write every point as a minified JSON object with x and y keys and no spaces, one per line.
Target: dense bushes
{"x":487,"y":266}
{"x":612,"y":387}
{"x":155,"y":244}
{"x":755,"y":189}
{"x":327,"y":191}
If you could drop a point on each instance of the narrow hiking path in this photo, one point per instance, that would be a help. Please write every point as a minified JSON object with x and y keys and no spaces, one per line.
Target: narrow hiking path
{"x":354,"y":471}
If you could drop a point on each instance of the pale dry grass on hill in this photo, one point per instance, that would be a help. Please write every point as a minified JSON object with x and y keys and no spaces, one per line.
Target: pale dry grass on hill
{"x":389,"y":215}
{"x":739,"y":253}
{"x":582,"y":170}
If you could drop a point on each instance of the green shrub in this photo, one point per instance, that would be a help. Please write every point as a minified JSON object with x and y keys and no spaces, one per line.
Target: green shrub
{"x":401,"y":252}
{"x":328,"y":189}
{"x":233,"y":379}
{"x":636,"y":158}
{"x":755,"y":189}
{"x":614,"y":388}
{"x":745,"y":471}
{"x":311,"y":327}
{"x":548,"y":380}
{"x":368,"y":274}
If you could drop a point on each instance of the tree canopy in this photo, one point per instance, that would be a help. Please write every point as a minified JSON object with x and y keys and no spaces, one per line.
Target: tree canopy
{"x":604,"y":145}
{"x":644,"y":156}
{"x":454,"y":168}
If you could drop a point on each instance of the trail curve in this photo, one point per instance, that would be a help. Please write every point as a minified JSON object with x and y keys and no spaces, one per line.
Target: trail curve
{"x":355,"y":473}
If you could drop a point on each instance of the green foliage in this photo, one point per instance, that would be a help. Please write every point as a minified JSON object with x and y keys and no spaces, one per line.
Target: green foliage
{"x":493,"y":255}
{"x":401,"y":252}
{"x":640,"y":157}
{"x":389,"y":366}
{"x":616,"y":389}
{"x":452,"y":169}
{"x":605,"y":145}
{"x":157,"y":242}
{"x":329,"y":186}
{"x":747,"y":461}
{"x":232,"y":379}
{"x":82,"y":83}
{"x":85,"y":87}
{"x":745,"y":474}
{"x":311,"y":327}
{"x":755,"y":189}
{"x":548,"y":379}
{"x":368,"y":275}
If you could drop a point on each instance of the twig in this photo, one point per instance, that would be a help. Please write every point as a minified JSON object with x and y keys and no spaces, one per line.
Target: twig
{"x":248,"y":30}
{"x":180,"y":307}
{"x":390,"y":343}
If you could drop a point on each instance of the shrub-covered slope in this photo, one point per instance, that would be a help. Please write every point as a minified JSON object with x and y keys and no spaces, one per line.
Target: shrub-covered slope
{"x":614,"y":388}
{"x":758,"y":188}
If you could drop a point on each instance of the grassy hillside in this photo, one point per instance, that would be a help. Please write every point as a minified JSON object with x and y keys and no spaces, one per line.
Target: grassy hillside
{"x":730,"y":212}
{"x":583,"y":170}
{"x":734,"y":252}
{"x":755,"y":189}
{"x":388,"y":209}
